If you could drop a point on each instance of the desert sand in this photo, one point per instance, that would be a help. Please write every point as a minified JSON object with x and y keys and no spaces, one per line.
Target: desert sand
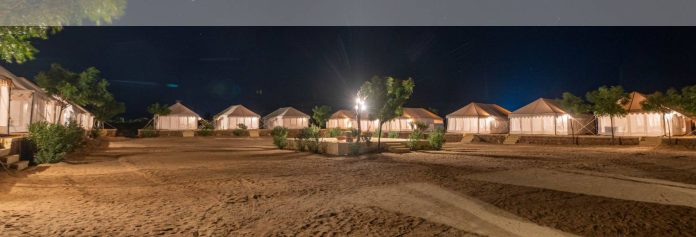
{"x":245,"y":187}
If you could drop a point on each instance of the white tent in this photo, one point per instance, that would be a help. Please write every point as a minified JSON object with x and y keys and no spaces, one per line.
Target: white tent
{"x":406,"y":122}
{"x":287,"y":117}
{"x":545,"y":117}
{"x":180,"y":118}
{"x":345,"y":119}
{"x":234,"y":115}
{"x":639,"y":122}
{"x":23,"y":103}
{"x":479,"y":118}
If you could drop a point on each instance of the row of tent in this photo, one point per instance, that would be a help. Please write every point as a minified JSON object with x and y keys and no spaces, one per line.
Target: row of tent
{"x":542,"y":117}
{"x":22,"y":102}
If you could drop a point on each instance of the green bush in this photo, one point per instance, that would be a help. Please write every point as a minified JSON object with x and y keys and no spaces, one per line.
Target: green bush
{"x":94,"y":133}
{"x":205,"y":128}
{"x":241,"y":130}
{"x":308,"y":139}
{"x":437,"y":138}
{"x":335,"y":132}
{"x":280,"y":137}
{"x":393,"y":135}
{"x":413,"y":140}
{"x":242,"y":126}
{"x":54,"y":141}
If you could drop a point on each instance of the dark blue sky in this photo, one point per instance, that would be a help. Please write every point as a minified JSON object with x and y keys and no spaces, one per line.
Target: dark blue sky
{"x":306,"y":66}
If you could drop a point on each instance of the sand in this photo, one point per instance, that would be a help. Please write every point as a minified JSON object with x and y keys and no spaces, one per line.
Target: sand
{"x":245,"y":187}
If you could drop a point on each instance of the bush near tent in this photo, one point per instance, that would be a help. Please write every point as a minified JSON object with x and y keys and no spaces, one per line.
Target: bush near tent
{"x":54,"y":141}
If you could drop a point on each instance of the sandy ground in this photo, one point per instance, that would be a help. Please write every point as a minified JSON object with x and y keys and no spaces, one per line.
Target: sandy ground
{"x":245,"y":187}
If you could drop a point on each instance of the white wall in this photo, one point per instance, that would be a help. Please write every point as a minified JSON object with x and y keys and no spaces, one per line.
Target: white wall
{"x":540,"y":125}
{"x":225,"y":122}
{"x":175,"y":122}
{"x":290,"y":122}
{"x":477,"y":125}
{"x":4,"y":109}
{"x":644,"y":124}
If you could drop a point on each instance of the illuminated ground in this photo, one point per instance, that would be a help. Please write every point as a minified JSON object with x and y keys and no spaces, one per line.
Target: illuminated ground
{"x":237,"y":187}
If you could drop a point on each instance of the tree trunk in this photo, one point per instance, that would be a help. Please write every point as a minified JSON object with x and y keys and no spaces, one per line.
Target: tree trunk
{"x":572,"y":132}
{"x":611,"y":118}
{"x":379,"y":137}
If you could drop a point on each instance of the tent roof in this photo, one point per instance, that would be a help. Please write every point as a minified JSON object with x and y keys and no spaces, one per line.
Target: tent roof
{"x":286,"y":112}
{"x":180,"y":109}
{"x":346,"y":113}
{"x":480,"y":110}
{"x":237,"y":111}
{"x":419,"y":113}
{"x":540,"y":106}
{"x":22,"y":83}
{"x":635,"y":102}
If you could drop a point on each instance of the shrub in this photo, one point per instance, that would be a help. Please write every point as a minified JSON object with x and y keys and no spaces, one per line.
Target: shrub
{"x":354,"y":132}
{"x":437,"y":138}
{"x":420,"y":126}
{"x":94,"y":133}
{"x":53,"y":141}
{"x":308,"y":138}
{"x":280,"y":137}
{"x":335,"y":132}
{"x":205,"y":128}
{"x":393,"y":135}
{"x":242,"y":126}
{"x":367,"y":137}
{"x":239,"y":132}
{"x":413,"y":140}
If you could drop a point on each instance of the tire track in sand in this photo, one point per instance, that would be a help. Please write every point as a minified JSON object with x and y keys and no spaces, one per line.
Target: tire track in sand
{"x":439,"y":205}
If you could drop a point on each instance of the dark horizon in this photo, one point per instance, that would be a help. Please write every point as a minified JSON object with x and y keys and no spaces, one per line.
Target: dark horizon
{"x":264,"y":68}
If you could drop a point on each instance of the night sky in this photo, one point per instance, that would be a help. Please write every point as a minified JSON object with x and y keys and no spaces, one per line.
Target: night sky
{"x":210,"y":68}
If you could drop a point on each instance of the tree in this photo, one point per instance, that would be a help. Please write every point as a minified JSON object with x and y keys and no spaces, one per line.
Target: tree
{"x":386,"y":96}
{"x":26,"y":20}
{"x":688,"y":100}
{"x":107,"y":111}
{"x":157,"y":110}
{"x":320,"y":114}
{"x":608,"y":101}
{"x":663,"y":104}
{"x":574,"y":105}
{"x":86,"y":89}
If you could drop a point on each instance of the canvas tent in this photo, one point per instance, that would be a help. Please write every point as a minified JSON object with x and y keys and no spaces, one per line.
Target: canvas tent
{"x":180,"y":118}
{"x":546,"y":117}
{"x":345,"y":119}
{"x":639,"y":122}
{"x":22,"y":102}
{"x":406,"y":122}
{"x":234,"y":115}
{"x":479,"y":118}
{"x":287,"y":117}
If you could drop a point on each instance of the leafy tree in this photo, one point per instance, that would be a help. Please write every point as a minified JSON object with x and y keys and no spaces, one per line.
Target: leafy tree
{"x":320,"y":114}
{"x":574,"y":105}
{"x":386,"y":96}
{"x":86,"y":89}
{"x":26,"y":20}
{"x":107,"y":111}
{"x":608,"y":101}
{"x":663,"y":103}
{"x":157,"y":110}
{"x":688,"y":99}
